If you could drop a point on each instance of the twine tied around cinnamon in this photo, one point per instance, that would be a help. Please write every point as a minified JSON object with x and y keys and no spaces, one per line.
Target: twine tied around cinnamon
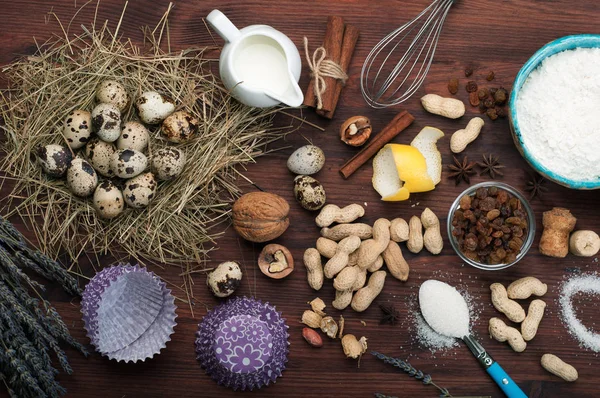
{"x":320,"y":68}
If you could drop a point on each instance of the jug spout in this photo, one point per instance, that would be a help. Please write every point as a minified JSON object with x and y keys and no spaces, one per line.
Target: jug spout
{"x":292,"y":97}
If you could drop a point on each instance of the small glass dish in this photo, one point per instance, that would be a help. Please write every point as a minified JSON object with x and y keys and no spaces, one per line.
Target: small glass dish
{"x":530,"y":227}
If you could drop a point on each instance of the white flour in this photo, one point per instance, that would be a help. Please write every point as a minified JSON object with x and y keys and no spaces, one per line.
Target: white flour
{"x":559,"y":113}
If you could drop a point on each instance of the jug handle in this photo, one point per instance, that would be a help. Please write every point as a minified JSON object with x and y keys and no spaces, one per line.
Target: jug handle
{"x":223,"y":26}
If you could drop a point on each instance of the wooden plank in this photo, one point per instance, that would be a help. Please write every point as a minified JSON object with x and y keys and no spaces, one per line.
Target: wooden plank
{"x":498,"y":36}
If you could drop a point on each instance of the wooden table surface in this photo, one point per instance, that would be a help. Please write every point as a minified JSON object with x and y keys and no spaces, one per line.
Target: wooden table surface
{"x":489,"y":35}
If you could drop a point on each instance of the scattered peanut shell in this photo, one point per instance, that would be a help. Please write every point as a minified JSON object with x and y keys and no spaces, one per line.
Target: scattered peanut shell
{"x":311,"y":319}
{"x":329,"y":326}
{"x":354,"y":348}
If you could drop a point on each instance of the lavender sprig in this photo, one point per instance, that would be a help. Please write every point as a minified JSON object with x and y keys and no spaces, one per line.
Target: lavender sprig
{"x":30,"y":328}
{"x":411,"y":371}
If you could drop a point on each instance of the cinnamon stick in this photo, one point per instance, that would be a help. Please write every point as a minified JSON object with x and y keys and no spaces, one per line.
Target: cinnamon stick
{"x":348,"y":44}
{"x":393,"y":128}
{"x":332,"y":43}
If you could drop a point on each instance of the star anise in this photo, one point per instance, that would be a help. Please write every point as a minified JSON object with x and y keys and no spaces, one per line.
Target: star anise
{"x":535,"y":186}
{"x":491,"y":166}
{"x":461,"y":170}
{"x":389,"y":314}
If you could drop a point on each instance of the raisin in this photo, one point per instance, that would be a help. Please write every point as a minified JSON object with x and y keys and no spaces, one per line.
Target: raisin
{"x":465,"y":202}
{"x":453,"y":86}
{"x":490,"y":76}
{"x":491,"y":113}
{"x":473,"y":99}
{"x":493,"y":91}
{"x":481,"y":193}
{"x":500,"y":96}
{"x":489,"y":103}
{"x":483,"y":93}
{"x":500,"y":112}
{"x":468,"y":71}
{"x":471,"y":86}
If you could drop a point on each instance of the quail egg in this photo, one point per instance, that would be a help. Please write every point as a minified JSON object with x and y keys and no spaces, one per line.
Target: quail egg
{"x":108,"y":200}
{"x":224,"y":279}
{"x":99,"y":153}
{"x":179,"y":127}
{"x":133,"y":136}
{"x":77,"y":128}
{"x":154,"y":107}
{"x":54,"y":159}
{"x":168,"y":163}
{"x":306,"y":160}
{"x":81,"y":177}
{"x":139,"y":191}
{"x":106,"y":120}
{"x":309,"y":192}
{"x":128,"y":163}
{"x":113,"y":92}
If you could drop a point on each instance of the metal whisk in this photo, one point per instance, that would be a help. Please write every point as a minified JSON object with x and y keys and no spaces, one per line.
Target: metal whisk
{"x":408,"y":74}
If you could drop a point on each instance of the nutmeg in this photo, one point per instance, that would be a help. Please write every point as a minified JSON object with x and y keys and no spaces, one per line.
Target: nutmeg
{"x":276,"y":261}
{"x":260,"y":216}
{"x":356,"y":130}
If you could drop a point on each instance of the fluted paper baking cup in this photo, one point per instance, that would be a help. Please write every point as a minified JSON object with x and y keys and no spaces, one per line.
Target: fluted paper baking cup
{"x":127,"y":309}
{"x":92,"y":294}
{"x":128,"y":312}
{"x":155,"y":338}
{"x":243,"y":344}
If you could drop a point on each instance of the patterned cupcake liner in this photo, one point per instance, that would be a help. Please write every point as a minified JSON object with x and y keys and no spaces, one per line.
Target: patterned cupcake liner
{"x":243,"y":344}
{"x":128,"y":313}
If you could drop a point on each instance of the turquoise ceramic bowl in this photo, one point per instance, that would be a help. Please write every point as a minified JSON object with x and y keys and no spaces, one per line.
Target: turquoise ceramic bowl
{"x":556,"y":46}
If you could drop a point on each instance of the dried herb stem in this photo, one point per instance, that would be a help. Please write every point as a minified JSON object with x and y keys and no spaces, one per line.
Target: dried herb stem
{"x":411,"y":371}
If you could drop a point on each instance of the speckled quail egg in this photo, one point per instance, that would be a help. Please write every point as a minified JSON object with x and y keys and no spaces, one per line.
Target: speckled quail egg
{"x":128,"y":163}
{"x":113,"y":92}
{"x":224,"y":279}
{"x":108,"y":200}
{"x":139,"y":191}
{"x":133,"y":136}
{"x":154,"y":107}
{"x":309,"y":192}
{"x":106,"y":120}
{"x":81,"y":177}
{"x":167,"y":163}
{"x":54,"y":159}
{"x":179,"y":127}
{"x":306,"y":160}
{"x":99,"y":153}
{"x":77,"y":128}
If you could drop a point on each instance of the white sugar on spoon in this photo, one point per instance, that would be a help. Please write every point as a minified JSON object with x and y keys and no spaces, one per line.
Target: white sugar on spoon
{"x":446,"y":311}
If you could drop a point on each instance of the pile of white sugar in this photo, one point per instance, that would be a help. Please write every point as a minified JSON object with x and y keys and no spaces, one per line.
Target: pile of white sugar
{"x":558,"y":112}
{"x":586,"y":284}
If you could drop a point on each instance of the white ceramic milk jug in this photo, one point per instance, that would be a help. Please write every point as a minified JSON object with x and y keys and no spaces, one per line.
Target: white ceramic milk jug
{"x":259,"y":65}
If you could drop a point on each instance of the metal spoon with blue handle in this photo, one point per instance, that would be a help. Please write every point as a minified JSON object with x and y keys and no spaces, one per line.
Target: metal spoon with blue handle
{"x":446,"y":311}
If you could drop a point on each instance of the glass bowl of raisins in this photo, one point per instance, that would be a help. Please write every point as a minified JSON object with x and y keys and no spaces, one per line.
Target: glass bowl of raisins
{"x":491,"y":226}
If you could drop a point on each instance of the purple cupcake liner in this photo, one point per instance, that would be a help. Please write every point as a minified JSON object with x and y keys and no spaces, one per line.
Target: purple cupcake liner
{"x":155,"y":338}
{"x":128,"y":313}
{"x":243,"y":344}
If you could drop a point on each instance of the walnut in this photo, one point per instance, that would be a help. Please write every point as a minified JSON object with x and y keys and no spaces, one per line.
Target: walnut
{"x":260,"y":216}
{"x":356,"y":130}
{"x":275,"y":261}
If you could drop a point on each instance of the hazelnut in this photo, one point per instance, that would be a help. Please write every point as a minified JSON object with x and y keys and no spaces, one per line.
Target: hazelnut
{"x":276,"y":261}
{"x":356,"y":130}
